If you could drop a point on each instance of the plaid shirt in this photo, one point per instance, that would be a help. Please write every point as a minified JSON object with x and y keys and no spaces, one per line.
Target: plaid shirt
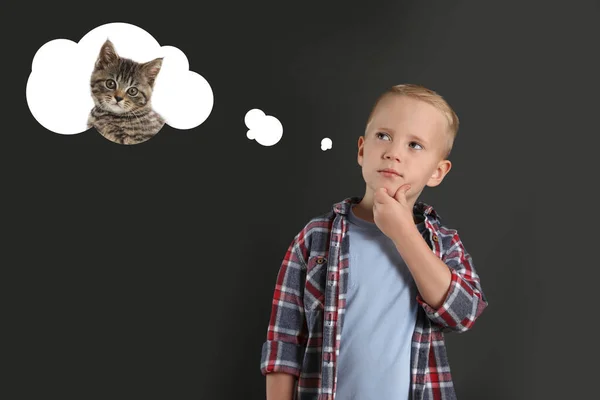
{"x":304,"y":333}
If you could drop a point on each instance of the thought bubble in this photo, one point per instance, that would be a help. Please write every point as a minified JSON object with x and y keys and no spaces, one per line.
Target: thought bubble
{"x":59,"y":89}
{"x":265,"y":129}
{"x":326,"y":144}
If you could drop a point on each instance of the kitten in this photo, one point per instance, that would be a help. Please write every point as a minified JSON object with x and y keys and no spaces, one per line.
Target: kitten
{"x":122,"y":90}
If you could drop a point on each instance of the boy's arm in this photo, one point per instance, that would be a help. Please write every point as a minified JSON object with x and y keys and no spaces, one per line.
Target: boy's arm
{"x":280,"y":386}
{"x":465,"y":300}
{"x":287,"y":335}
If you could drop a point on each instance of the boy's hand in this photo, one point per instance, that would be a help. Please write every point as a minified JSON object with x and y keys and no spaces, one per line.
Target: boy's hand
{"x":392,"y":214}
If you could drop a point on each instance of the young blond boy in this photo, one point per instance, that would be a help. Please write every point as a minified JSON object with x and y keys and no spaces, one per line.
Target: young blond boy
{"x":366,"y":292}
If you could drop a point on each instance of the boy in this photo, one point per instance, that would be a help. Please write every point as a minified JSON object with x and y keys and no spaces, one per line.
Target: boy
{"x":366,"y":292}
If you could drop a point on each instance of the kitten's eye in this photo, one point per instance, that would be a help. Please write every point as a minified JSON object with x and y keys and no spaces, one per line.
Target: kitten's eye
{"x":132,"y":91}
{"x":110,"y":84}
{"x":378,"y":135}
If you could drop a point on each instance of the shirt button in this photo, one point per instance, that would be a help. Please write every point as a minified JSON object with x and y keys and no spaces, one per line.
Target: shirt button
{"x":435,"y":238}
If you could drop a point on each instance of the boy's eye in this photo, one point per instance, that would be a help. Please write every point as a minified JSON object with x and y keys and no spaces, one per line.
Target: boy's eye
{"x":417,"y":144}
{"x":378,"y":135}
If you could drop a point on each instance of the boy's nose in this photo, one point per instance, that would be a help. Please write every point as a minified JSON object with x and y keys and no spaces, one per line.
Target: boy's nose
{"x":394,"y":155}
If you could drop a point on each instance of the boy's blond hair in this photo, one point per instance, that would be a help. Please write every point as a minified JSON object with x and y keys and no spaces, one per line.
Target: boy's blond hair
{"x":422,"y":93}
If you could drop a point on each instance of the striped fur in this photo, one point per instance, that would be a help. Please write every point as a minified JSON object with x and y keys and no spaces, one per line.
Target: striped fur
{"x":122,"y":90}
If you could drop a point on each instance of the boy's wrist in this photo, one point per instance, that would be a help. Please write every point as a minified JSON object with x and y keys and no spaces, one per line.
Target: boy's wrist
{"x":405,"y":233}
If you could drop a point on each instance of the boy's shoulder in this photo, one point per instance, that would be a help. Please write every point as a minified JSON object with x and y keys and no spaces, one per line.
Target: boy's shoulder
{"x":325,"y":220}
{"x":315,"y":234}
{"x":445,"y":236}
{"x":319,"y":227}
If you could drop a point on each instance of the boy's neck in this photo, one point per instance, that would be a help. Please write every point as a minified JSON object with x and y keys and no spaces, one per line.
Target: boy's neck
{"x":363,"y":211}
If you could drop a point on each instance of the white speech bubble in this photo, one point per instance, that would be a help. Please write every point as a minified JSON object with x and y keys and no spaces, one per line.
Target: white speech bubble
{"x":58,"y":89}
{"x":265,"y":129}
{"x":326,"y":144}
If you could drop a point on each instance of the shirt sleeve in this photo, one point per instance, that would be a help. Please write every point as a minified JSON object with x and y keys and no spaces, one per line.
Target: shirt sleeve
{"x":287,"y":336}
{"x":465,"y":300}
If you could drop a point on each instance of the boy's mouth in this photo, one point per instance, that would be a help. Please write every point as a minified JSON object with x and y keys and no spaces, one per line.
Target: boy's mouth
{"x":389,"y":172}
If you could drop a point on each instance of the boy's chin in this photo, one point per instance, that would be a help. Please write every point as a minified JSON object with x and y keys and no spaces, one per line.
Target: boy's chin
{"x":392,"y":186}
{"x":391,"y":189}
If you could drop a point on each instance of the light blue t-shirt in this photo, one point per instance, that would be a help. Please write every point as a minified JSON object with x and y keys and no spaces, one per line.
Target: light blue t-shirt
{"x":375,"y":346}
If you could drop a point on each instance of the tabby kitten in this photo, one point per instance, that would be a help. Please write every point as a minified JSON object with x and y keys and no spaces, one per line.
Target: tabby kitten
{"x":122,"y":90}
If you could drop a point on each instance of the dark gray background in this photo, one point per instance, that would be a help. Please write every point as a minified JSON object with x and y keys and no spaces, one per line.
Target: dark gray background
{"x":147,"y":271}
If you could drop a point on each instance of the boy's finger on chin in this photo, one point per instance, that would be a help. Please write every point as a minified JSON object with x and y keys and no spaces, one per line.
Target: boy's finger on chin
{"x":400,"y":192}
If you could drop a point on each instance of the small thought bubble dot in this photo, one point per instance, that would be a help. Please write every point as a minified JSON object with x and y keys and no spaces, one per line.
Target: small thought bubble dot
{"x":326,"y":144}
{"x":253,"y":117}
{"x":265,"y":129}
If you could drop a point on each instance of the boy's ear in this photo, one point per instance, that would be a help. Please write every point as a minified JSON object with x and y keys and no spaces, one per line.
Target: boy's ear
{"x":361,"y":145}
{"x":440,"y":173}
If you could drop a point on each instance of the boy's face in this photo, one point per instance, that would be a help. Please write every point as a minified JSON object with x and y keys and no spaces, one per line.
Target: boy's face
{"x":408,"y":136}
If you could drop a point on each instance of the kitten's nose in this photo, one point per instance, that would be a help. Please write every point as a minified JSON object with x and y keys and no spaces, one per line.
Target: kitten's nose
{"x":118,"y":98}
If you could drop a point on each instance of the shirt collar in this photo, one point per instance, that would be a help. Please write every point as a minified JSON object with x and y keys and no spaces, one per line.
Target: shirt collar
{"x":420,"y":208}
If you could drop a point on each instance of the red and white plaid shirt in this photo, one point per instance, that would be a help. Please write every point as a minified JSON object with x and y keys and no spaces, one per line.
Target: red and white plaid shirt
{"x":304,"y":333}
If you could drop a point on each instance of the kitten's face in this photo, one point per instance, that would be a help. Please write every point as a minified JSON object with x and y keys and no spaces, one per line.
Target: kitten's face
{"x":120,"y":85}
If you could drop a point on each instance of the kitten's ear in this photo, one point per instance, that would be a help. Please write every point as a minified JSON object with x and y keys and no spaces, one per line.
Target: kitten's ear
{"x":152,"y":68}
{"x":108,"y":55}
